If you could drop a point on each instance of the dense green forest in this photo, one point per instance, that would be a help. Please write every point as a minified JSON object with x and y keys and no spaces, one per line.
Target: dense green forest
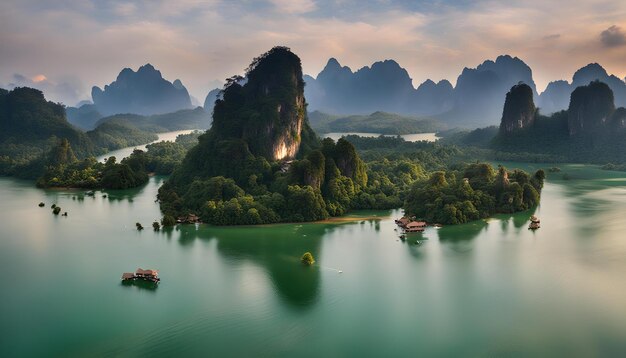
{"x":63,"y":169}
{"x":231,"y":178}
{"x":31,"y":128}
{"x":377,"y":122}
{"x":472,"y":192}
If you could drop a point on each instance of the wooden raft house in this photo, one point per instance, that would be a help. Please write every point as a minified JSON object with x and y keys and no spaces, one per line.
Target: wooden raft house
{"x":188,"y":219}
{"x":409,"y":225}
{"x":415,"y":226}
{"x":403,"y":222}
{"x":143,"y":275}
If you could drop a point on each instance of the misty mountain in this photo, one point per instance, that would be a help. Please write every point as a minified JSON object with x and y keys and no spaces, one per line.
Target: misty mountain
{"x":83,"y":117}
{"x":480,"y":92}
{"x":143,"y":92}
{"x":211,"y":97}
{"x":385,"y":86}
{"x":555,"y":97}
{"x":557,"y":94}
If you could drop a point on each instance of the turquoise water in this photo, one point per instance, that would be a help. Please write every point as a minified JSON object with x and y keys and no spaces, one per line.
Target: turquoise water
{"x":125,"y":152}
{"x":483,"y":289}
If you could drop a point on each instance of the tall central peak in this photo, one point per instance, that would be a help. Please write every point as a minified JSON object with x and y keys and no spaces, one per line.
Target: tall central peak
{"x":268,"y":111}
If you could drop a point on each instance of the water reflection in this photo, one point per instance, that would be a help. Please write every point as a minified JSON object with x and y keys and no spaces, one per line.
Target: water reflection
{"x":460,"y":238}
{"x":140,"y":285}
{"x":277,"y":249}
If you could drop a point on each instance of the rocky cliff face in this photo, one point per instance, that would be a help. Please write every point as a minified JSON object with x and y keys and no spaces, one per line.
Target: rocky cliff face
{"x":143,"y":92}
{"x":590,"y":108}
{"x":268,"y":112}
{"x":479,"y":91}
{"x":519,"y":109}
{"x":557,"y":94}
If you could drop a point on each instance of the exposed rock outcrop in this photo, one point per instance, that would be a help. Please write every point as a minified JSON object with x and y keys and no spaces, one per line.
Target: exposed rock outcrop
{"x":268,"y":111}
{"x":590,"y":108}
{"x":519,"y":109}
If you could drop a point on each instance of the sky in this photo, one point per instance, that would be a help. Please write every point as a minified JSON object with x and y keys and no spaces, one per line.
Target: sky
{"x":64,"y":47}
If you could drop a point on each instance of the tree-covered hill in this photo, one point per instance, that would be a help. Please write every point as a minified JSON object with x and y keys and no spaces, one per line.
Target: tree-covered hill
{"x":377,"y":122}
{"x":261,"y":162}
{"x":31,"y":127}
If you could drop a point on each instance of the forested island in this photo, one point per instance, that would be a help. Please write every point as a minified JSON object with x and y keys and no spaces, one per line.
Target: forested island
{"x":261,"y":163}
{"x":472,"y":192}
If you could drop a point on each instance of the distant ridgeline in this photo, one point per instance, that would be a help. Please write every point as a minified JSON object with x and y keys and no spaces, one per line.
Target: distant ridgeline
{"x":377,"y":122}
{"x":260,"y":162}
{"x":143,"y":92}
{"x":144,"y":99}
{"x":473,"y":192}
{"x":591,"y":130}
{"x":476,"y":100}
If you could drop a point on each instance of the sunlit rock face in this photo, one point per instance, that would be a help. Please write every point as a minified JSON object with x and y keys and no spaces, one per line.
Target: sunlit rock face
{"x":287,"y":139}
{"x":276,"y":136}
{"x":519,"y":109}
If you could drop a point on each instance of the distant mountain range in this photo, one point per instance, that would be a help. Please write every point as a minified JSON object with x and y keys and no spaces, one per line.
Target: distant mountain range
{"x":477,"y":99}
{"x":143,"y":92}
{"x":556,"y":97}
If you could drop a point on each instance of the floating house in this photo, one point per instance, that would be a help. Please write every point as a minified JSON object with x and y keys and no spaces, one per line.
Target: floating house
{"x":141,"y":274}
{"x":403,"y":222}
{"x":189,"y":219}
{"x":415,"y":226}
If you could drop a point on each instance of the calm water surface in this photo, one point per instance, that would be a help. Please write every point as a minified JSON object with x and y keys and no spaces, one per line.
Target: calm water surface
{"x":482,"y":289}
{"x":125,"y":152}
{"x":429,"y":137}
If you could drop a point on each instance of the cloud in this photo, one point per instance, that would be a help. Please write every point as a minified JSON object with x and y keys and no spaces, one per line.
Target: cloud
{"x":125,"y":9}
{"x":294,"y":6}
{"x":39,"y":78}
{"x":68,"y":91}
{"x":613,"y":37}
{"x":552,"y":37}
{"x":198,"y":41}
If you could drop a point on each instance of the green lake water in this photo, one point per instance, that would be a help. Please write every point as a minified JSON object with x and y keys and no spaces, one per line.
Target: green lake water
{"x":483,"y":289}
